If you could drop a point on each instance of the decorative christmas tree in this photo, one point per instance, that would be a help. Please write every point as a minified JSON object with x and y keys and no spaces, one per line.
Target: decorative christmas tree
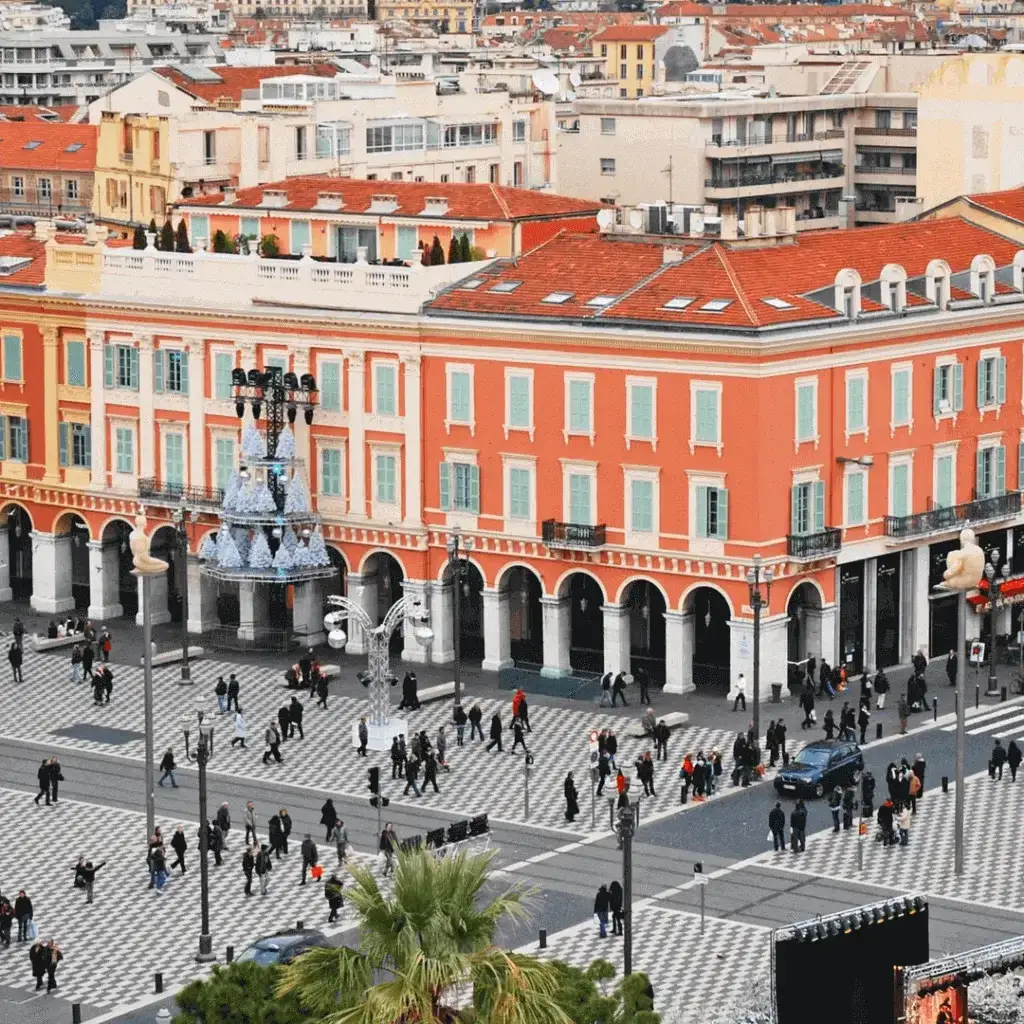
{"x":263,"y":500}
{"x":302,"y":559}
{"x":283,"y":559}
{"x":289,"y":540}
{"x":208,"y":549}
{"x":240,"y":535}
{"x":259,"y":553}
{"x":318,"y":552}
{"x":254,"y":445}
{"x":285,"y":444}
{"x":231,"y":491}
{"x":296,"y":499}
{"x":227,"y":551}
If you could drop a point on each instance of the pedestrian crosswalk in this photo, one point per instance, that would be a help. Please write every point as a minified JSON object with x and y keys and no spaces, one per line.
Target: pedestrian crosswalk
{"x":1005,"y":721}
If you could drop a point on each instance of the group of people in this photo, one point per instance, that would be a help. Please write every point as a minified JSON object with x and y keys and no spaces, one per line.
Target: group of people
{"x":44,"y":954}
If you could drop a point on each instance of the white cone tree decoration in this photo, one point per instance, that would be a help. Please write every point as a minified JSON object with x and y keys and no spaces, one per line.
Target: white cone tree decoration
{"x":318,"y":552}
{"x":208,"y":549}
{"x":283,"y":559}
{"x":263,"y":500}
{"x":286,"y":444}
{"x":296,"y":500}
{"x":289,"y":541}
{"x":240,"y":535}
{"x":227,"y":551}
{"x":231,"y":491}
{"x":254,"y":445}
{"x":301,"y":556}
{"x":259,"y":553}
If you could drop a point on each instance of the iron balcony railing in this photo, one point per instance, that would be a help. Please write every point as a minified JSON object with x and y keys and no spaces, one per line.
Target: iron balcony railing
{"x":572,"y":535}
{"x":176,"y":494}
{"x":952,"y":517}
{"x":815,"y":545}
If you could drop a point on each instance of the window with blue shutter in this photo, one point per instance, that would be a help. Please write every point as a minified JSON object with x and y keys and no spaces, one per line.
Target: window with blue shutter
{"x":999,"y":453}
{"x":330,"y":472}
{"x":300,"y":236}
{"x":901,"y":397}
{"x":712,"y":513}
{"x":445,"y":487}
{"x":474,"y":489}
{"x":17,"y":434}
{"x":75,"y":370}
{"x":408,"y":243}
{"x":519,"y":401}
{"x":706,"y":416}
{"x":818,"y":523}
{"x":109,"y":354}
{"x":159,"y":360}
{"x":807,"y":514}
{"x":223,"y":461}
{"x":856,"y":407}
{"x":386,"y":475}
{"x":991,"y":382}
{"x":855,"y":499}
{"x":721,"y":523}
{"x":12,"y":357}
{"x":176,"y":371}
{"x":958,"y":387}
{"x":701,"y":511}
{"x":983,"y":476}
{"x":385,"y":390}
{"x":944,"y":493}
{"x":642,"y":506}
{"x":77,"y":445}
{"x":64,"y":445}
{"x":465,"y":487}
{"x":459,"y":398}
{"x":174,"y":459}
{"x":579,"y":407}
{"x":900,"y":499}
{"x":806,"y":427}
{"x":991,"y":472}
{"x":519,"y":504}
{"x":942,"y":390}
{"x":223,"y":364}
{"x":330,"y":385}
{"x":124,"y":451}
{"x":641,"y":408}
{"x":3,"y":438}
{"x":579,"y":499}
{"x":1001,"y":380}
{"x":200,"y":225}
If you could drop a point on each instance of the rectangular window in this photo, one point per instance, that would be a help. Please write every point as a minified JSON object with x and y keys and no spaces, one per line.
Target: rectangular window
{"x":385,"y":478}
{"x":460,"y":397}
{"x":14,"y":438}
{"x":200,"y":225}
{"x":945,"y":496}
{"x":121,"y":367}
{"x":807,"y":411}
{"x":706,"y":416}
{"x":808,"y":508}
{"x":991,"y":472}
{"x":580,"y":411}
{"x":249,"y":227}
{"x":330,"y":472}
{"x":460,"y":487}
{"x":712,"y":513}
{"x":223,"y":461}
{"x":170,"y":371}
{"x":855,"y":499}
{"x":74,"y":371}
{"x":45,"y":188}
{"x":300,"y":236}
{"x":519,"y":401}
{"x":641,"y":411}
{"x":18,"y":186}
{"x":223,"y":364}
{"x":75,"y":445}
{"x":12,"y":357}
{"x":607,"y":125}
{"x":607,"y":165}
{"x":901,"y":401}
{"x":519,"y":504}
{"x":641,"y":506}
{"x":385,"y":391}
{"x":991,"y":381}
{"x":518,"y":131}
{"x":948,"y":389}
{"x":301,"y":152}
{"x":579,"y":499}
{"x":899,"y":490}
{"x":330,"y":385}
{"x":856,"y":403}
{"x":71,"y":188}
{"x":124,"y":451}
{"x":174,"y":459}
{"x":408,"y":240}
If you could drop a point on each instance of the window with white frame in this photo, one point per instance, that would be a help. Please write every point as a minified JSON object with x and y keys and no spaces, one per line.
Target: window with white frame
{"x":856,"y":501}
{"x":705,"y":414}
{"x":174,"y":458}
{"x":807,"y":508}
{"x":519,"y":400}
{"x":460,"y":395}
{"x":902,"y":411}
{"x":520,"y":491}
{"x":124,"y":451}
{"x":901,"y":500}
{"x":75,"y":445}
{"x":711,"y":512}
{"x":807,"y":410}
{"x":170,"y":371}
{"x":223,"y":364}
{"x":330,"y":472}
{"x":991,"y":380}
{"x":642,"y":503}
{"x":579,"y":493}
{"x":641,"y":410}
{"x":459,"y":486}
{"x":121,"y":367}
{"x":12,"y":358}
{"x":279,"y":361}
{"x":330,"y":385}
{"x":947,"y":388}
{"x":223,"y":461}
{"x":13,"y":438}
{"x":385,"y":478}
{"x":944,"y":481}
{"x":579,"y":404}
{"x":74,"y":363}
{"x":385,"y":388}
{"x":857,"y":402}
{"x":990,"y":479}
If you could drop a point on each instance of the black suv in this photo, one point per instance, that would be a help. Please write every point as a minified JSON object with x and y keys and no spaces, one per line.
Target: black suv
{"x":283,"y":947}
{"x":820,"y":767}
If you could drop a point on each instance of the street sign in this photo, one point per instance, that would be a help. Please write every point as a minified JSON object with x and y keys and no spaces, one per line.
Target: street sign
{"x":977,"y":655}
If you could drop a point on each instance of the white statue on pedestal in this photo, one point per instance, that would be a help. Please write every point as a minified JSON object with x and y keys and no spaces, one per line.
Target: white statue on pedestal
{"x":145,"y":563}
{"x":964,"y":566}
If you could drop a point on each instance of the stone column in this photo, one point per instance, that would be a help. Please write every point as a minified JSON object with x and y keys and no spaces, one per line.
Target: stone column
{"x":308,"y":613}
{"x":870,"y":612}
{"x":442,"y":622}
{"x":497,"y":634}
{"x":829,"y":631}
{"x":6,"y":593}
{"x":774,"y":660}
{"x":741,"y":653}
{"x":147,"y":421}
{"x":412,"y":649}
{"x":51,"y":573}
{"x":253,"y":608}
{"x":413,"y":456}
{"x":917,"y":580}
{"x":98,"y":415}
{"x":158,"y":591}
{"x":196,"y":413}
{"x":51,"y":406}
{"x":616,"y":638}
{"x":202,"y":599}
{"x":356,"y":436}
{"x":104,"y":581}
{"x":678,"y":652}
{"x":557,"y":625}
{"x":361,"y":590}
{"x":300,"y":365}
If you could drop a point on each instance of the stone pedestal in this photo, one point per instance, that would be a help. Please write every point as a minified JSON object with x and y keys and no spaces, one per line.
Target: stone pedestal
{"x":308,"y":613}
{"x":412,"y":649}
{"x":202,"y":599}
{"x":104,"y":580}
{"x":442,"y":622}
{"x":380,"y":736}
{"x":361,"y":590}
{"x":158,"y":601}
{"x":678,"y":652}
{"x":557,"y":626}
{"x":51,"y":573}
{"x":497,"y":634}
{"x":616,"y":638}
{"x":253,"y":609}
{"x":773,"y":662}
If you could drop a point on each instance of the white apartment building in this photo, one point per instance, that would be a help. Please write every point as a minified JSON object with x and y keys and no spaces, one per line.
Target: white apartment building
{"x":33,"y":18}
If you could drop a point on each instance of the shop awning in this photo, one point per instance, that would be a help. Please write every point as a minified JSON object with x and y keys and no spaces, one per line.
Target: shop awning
{"x":1011,"y":591}
{"x":796,"y":158}
{"x":833,"y":156}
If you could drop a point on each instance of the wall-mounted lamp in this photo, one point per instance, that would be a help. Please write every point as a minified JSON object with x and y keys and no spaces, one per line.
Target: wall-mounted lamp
{"x":867,"y":461}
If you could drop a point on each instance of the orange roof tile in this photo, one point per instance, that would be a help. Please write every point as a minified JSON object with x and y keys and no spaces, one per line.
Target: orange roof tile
{"x":465,"y":201}
{"x":234,"y":81}
{"x":21,"y":243}
{"x":31,"y":112}
{"x":630,"y":33}
{"x":1009,"y":204}
{"x":42,"y":146}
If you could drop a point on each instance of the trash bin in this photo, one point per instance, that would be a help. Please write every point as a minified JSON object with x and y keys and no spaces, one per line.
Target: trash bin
{"x":776,"y":693}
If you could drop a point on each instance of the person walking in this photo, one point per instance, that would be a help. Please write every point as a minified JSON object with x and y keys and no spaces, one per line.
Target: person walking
{"x":339,"y":836}
{"x":239,"y":736}
{"x":951,"y":663}
{"x":441,"y":745}
{"x":248,"y":866}
{"x":643,"y":680}
{"x":615,"y":896}
{"x":263,"y":866}
{"x":272,"y":738}
{"x":333,"y":894}
{"x":645,"y":773}
{"x":798,"y":827}
{"x":410,"y":699}
{"x":18,"y":630}
{"x":602,"y":904}
{"x":223,"y":819}
{"x":740,"y":691}
{"x":459,"y":719}
{"x":863,"y":718}
{"x":606,"y":690}
{"x":475,"y":719}
{"x":22,"y":914}
{"x":835,"y":801}
{"x":37,"y":959}
{"x":430,"y":772}
{"x":220,"y":691}
{"x":328,"y":818}
{"x":611,"y":745}
{"x":284,"y":721}
{"x":997,"y":760}
{"x":661,"y":737}
{"x":14,"y":656}
{"x":828,"y":724}
{"x":867,"y":794}
{"x":275,"y":831}
{"x":214,"y":842}
{"x":167,"y":767}
{"x":88,"y":657}
{"x":619,"y":689}
{"x":106,"y":644}
{"x":233,"y":689}
{"x":495,"y":733}
{"x":43,"y":775}
{"x":518,"y":740}
{"x":881,"y":689}
{"x":310,"y":856}
{"x":52,"y":959}
{"x":364,"y":737}
{"x":903,"y":713}
{"x":572,"y":806}
{"x":903,"y":824}
{"x":179,"y":844}
{"x":87,"y":873}
{"x":249,"y":818}
{"x":807,"y":705}
{"x":397,"y":758}
{"x":412,"y":771}
{"x":386,"y":846}
{"x":771,"y":744}
{"x":777,"y":827}
{"x":1013,"y":759}
{"x":295,"y":717}
{"x":286,"y":828}
{"x":849,"y":806}
{"x":76,"y":663}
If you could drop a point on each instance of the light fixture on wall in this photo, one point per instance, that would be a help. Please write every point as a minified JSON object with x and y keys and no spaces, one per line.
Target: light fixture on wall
{"x":465,"y":590}
{"x":524,"y":595}
{"x":707,"y":618}
{"x":645,"y":611}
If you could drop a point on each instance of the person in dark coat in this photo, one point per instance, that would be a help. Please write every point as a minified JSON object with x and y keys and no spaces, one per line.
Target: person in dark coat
{"x":849,"y":806}
{"x":88,"y":657}
{"x":364,"y":737}
{"x":333,"y":894}
{"x":397,"y":759}
{"x":223,"y":819}
{"x":777,"y":827}
{"x":812,"y":664}
{"x":523,"y":713}
{"x":495,"y":733}
{"x":295,"y":718}
{"x":881,"y":689}
{"x":619,"y":689}
{"x":321,"y":690}
{"x":885,"y":817}
{"x":430,"y":772}
{"x":780,"y":739}
{"x":867,"y":793}
{"x":919,"y":770}
{"x":459,"y":718}
{"x":310,"y":855}
{"x":615,"y":897}
{"x":22,"y":914}
{"x":997,"y":760}
{"x":1013,"y":759}
{"x":829,"y":724}
{"x":215,"y":842}
{"x":412,"y":772}
{"x":475,"y":718}
{"x":328,"y":817}
{"x":284,"y":721}
{"x":15,"y":658}
{"x":306,"y":665}
{"x":37,"y":958}
{"x":220,"y":691}
{"x":863,"y":718}
{"x":410,"y":699}
{"x":920,"y":663}
{"x":661,"y":737}
{"x":611,"y":745}
{"x":603,"y":771}
{"x":56,"y":778}
{"x":602,"y":904}
{"x":248,"y":866}
{"x":951,"y":663}
{"x":572,"y":807}
{"x":807,"y":704}
{"x":798,"y":827}
{"x":43,"y":774}
{"x":276,"y":832}
{"x":179,"y":844}
{"x":232,"y":691}
{"x":518,"y":740}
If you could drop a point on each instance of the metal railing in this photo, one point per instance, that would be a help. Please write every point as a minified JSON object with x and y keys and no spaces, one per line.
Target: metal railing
{"x":952,"y":517}
{"x":749,"y":181}
{"x":260,"y":638}
{"x":161,"y":490}
{"x":815,"y":545}
{"x":902,"y":133}
{"x":877,"y":169}
{"x":572,"y":535}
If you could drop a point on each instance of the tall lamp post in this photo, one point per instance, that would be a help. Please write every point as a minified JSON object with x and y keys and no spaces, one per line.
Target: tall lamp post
{"x":203,"y":754}
{"x":183,"y":520}
{"x":756,"y":575}
{"x":627,"y":827}
{"x":995,"y":576}
{"x":460,"y":569}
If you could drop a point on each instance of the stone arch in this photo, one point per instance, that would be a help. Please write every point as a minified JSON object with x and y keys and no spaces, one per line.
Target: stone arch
{"x":381,"y":551}
{"x":18,"y":537}
{"x":560,"y":585}
{"x":640,"y":578}
{"x":983,"y":277}
{"x":644,"y":603}
{"x":893,"y":281}
{"x":499,"y":576}
{"x":937,"y":281}
{"x":443,"y":568}
{"x":686,"y":601}
{"x":64,"y":522}
{"x":814,"y":584}
{"x":710,"y":614}
{"x":525,"y":589}
{"x":847,"y":292}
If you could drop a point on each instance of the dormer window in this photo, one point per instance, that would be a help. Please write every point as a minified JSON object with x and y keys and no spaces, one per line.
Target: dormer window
{"x":383,"y":204}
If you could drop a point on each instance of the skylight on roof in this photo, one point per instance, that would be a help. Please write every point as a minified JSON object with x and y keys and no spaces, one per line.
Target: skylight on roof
{"x":506,"y":286}
{"x":473,"y":282}
{"x":74,"y":147}
{"x":778,"y":303}
{"x":34,"y":144}
{"x":602,"y":300}
{"x":715,"y":305}
{"x":677,"y":303}
{"x":557,"y":298}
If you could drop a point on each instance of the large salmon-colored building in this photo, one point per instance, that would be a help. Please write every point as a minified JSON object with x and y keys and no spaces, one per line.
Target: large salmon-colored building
{"x":617,"y":425}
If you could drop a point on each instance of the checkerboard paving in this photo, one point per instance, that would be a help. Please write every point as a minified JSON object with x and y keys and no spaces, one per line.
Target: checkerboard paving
{"x":113,"y":948}
{"x":993,"y":838}
{"x":691,"y":974}
{"x":478,"y":781}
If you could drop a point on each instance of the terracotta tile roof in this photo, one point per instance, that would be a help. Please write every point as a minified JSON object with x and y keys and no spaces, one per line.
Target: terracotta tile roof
{"x":21,"y":243}
{"x":465,"y":201}
{"x":33,"y":113}
{"x":234,"y":81}
{"x":39,"y":146}
{"x":713,"y":285}
{"x":630,"y":33}
{"x":1009,"y":204}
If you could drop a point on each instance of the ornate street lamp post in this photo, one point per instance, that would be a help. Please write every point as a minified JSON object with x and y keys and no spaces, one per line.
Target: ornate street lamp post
{"x":202,"y":755}
{"x":755,"y":576}
{"x":460,"y":570}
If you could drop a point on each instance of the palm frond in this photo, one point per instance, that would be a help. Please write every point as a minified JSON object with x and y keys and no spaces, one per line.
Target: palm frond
{"x":327,"y":978}
{"x":511,"y":988}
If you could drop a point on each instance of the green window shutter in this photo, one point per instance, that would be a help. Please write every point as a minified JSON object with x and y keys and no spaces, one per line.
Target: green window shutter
{"x":446,"y":490}
{"x":723,"y":514}
{"x":1001,"y":380}
{"x":1000,"y":482}
{"x":519,"y":401}
{"x":64,"y":443}
{"x":579,"y":406}
{"x":407,"y":241}
{"x":223,"y":364}
{"x":855,"y":499}
{"x":819,"y":506}
{"x":980,"y":483}
{"x":108,"y":366}
{"x":300,"y":236}
{"x":474,"y":489}
{"x":642,"y":411}
{"x":184,"y":371}
{"x":519,"y":493}
{"x":12,"y":357}
{"x":855,"y":404}
{"x":87,"y":446}
{"x":386,"y":405}
{"x":900,"y":500}
{"x":459,"y":402}
{"x":901,"y":396}
{"x":805,"y":413}
{"x":641,"y":511}
{"x":794,"y":510}
{"x":3,"y":440}
{"x":579,"y":499}
{"x":330,"y":386}
{"x":133,"y":363}
{"x":982,"y":379}
{"x":707,"y":416}
{"x":958,"y":387}
{"x":24,"y":440}
{"x":944,"y":480}
{"x":158,"y":370}
{"x":75,"y":352}
{"x":701,"y":518}
{"x":937,"y":389}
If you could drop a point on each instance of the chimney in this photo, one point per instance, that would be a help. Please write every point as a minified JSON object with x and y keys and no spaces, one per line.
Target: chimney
{"x":274,"y":198}
{"x":41,"y":230}
{"x":753,"y":222}
{"x":785,"y":221}
{"x":697,"y":223}
{"x":729,"y":226}
{"x":768,"y":222}
{"x":230,"y":195}
{"x":436,"y":206}
{"x":670,"y":255}
{"x":329,"y":201}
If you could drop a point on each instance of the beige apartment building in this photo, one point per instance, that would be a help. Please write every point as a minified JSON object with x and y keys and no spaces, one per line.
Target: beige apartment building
{"x":732,"y":150}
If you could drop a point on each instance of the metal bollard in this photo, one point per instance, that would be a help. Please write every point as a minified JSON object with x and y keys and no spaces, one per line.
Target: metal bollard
{"x":300,"y":926}
{"x":611,"y":813}
{"x":1002,"y":695}
{"x":878,"y":730}
{"x":945,"y":783}
{"x":977,"y":695}
{"x":935,"y":709}
{"x":158,"y":983}
{"x":543,"y":936}
{"x":229,"y":954}
{"x":76,"y":1013}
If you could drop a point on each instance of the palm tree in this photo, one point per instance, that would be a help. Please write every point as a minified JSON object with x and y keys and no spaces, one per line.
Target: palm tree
{"x":429,"y":942}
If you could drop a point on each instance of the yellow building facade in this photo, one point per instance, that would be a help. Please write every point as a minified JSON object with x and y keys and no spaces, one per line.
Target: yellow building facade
{"x":629,"y":57}
{"x":447,"y":16}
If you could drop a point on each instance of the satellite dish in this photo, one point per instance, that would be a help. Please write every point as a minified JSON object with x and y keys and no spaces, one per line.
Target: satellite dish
{"x":636,"y":219}
{"x":545,"y":82}
{"x":574,"y":79}
{"x":605,"y":219}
